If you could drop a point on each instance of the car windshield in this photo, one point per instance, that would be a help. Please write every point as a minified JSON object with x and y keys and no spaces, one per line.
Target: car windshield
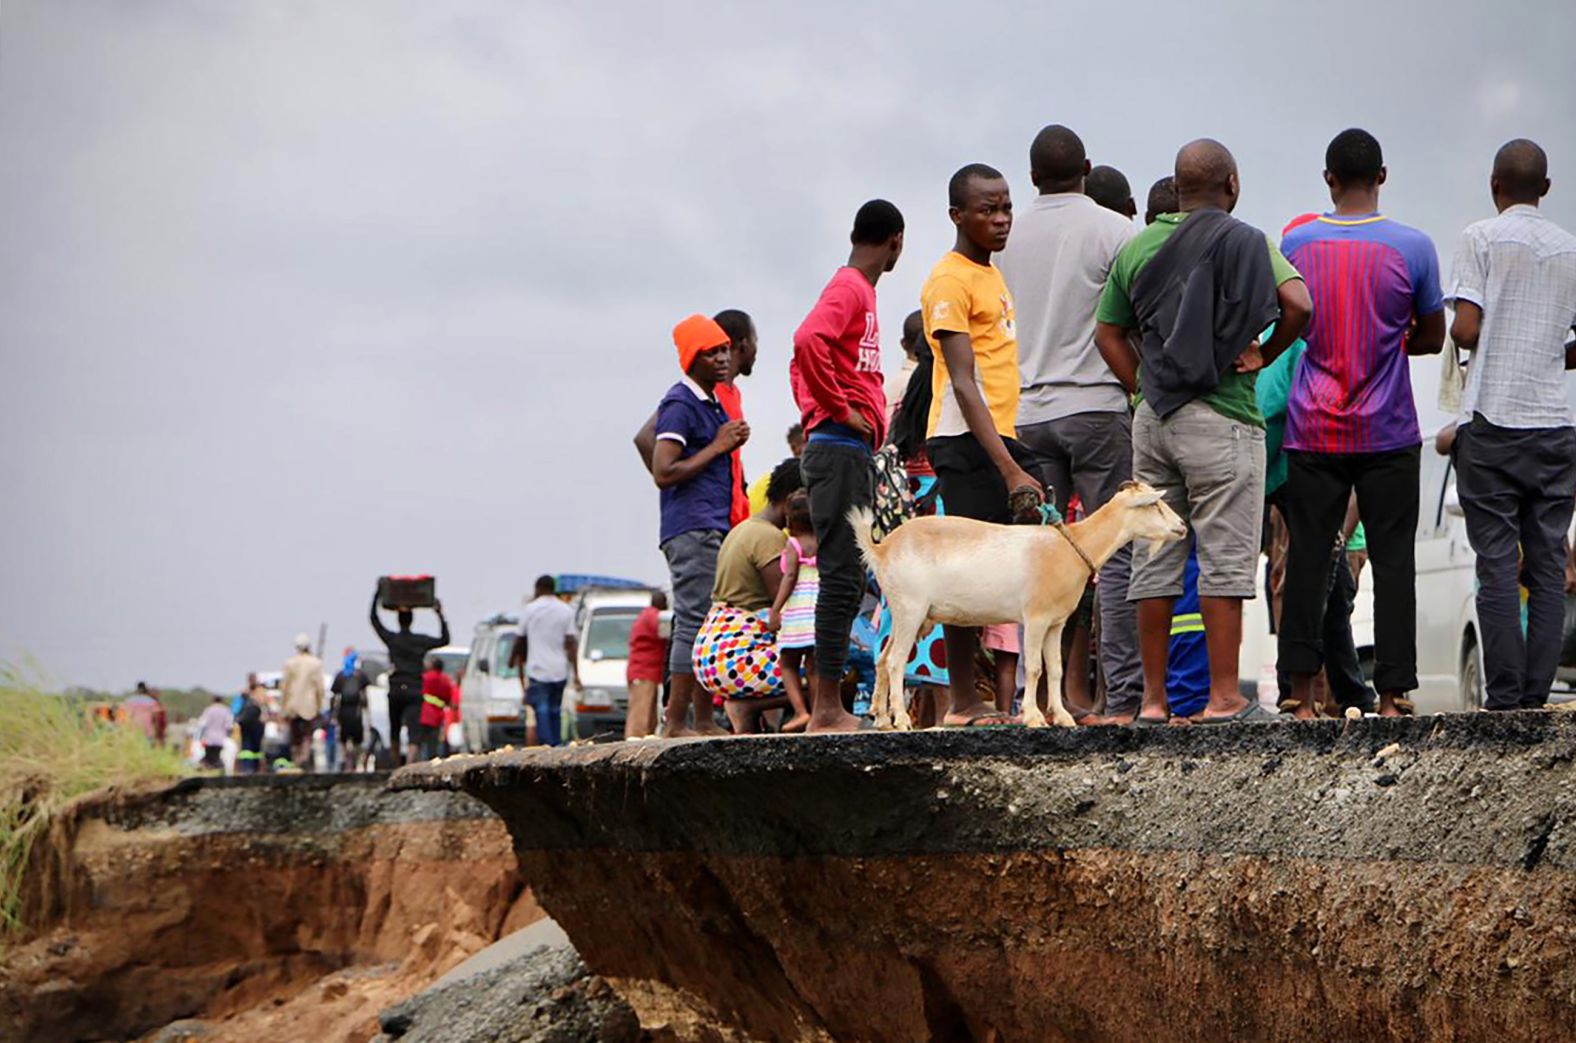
{"x":453,"y":662}
{"x":607,"y":637}
{"x":501,"y":667}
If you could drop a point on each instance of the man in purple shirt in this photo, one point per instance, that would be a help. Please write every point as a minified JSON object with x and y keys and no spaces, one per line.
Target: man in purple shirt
{"x":1351,"y":422}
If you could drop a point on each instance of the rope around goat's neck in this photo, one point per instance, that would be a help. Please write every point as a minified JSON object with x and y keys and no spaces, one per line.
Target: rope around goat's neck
{"x":1049,"y":515}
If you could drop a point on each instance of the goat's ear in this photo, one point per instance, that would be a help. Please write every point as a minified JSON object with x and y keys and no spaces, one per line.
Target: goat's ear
{"x":1144,"y":499}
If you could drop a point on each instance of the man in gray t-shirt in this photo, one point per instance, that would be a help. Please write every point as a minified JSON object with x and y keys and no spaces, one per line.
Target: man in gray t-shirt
{"x":1073,"y":413}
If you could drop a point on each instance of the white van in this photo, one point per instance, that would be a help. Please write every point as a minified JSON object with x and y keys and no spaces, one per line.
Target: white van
{"x":492,"y":710}
{"x":603,"y":620}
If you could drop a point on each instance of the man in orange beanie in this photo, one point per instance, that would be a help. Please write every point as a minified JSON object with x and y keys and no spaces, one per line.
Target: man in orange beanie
{"x":740,"y":329}
{"x":691,"y":463}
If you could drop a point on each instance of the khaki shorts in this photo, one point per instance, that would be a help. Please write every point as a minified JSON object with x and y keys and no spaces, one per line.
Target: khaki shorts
{"x":1210,"y":469}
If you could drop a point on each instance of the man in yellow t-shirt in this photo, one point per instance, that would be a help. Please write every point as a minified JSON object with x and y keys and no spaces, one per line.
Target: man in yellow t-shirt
{"x":972,"y":442}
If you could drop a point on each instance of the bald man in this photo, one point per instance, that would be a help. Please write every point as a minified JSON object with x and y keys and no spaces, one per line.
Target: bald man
{"x":1198,"y":435}
{"x":1514,"y":289}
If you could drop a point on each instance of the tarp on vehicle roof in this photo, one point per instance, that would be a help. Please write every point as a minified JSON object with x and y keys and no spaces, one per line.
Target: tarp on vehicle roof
{"x":573,"y":583}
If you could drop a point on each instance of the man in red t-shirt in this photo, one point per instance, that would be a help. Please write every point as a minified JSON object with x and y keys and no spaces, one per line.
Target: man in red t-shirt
{"x":437,"y":695}
{"x":740,"y":329}
{"x":648,"y":654}
{"x":836,"y":380}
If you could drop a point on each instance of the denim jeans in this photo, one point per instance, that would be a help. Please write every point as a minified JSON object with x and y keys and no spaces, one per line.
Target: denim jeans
{"x":546,"y":699}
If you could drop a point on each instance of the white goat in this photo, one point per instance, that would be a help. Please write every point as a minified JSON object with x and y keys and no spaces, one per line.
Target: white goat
{"x":971,"y":573}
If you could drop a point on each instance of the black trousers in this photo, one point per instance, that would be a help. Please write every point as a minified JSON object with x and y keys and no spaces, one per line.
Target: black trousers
{"x":404,"y":711}
{"x":1516,"y":487}
{"x":838,"y":478}
{"x":1342,"y":669}
{"x":1318,"y":486}
{"x":970,"y":485}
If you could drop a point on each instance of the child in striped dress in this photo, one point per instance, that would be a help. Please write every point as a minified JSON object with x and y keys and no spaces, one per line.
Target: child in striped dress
{"x":793,"y":612}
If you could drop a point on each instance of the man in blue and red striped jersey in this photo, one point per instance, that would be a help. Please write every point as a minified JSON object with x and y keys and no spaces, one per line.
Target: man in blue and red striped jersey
{"x":1351,"y":422}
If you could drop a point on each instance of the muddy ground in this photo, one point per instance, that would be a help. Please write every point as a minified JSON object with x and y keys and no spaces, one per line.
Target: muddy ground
{"x":1374,"y":880}
{"x":292,"y":907}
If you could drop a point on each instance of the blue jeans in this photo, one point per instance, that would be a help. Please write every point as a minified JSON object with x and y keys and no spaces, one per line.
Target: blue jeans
{"x":546,"y":699}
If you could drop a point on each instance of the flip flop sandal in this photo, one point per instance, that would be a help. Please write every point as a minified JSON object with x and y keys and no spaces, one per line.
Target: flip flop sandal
{"x":1406,"y":706}
{"x":994,"y":719}
{"x":1140,"y":721}
{"x":1253,"y":713}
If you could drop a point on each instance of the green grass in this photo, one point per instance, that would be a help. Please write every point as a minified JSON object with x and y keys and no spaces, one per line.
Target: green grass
{"x":51,"y":755}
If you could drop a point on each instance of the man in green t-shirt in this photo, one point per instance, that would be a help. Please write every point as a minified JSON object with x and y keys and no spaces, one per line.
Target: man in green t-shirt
{"x":1206,"y":456}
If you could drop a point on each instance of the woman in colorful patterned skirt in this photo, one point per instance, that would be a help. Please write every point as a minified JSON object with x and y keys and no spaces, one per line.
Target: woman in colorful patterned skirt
{"x":735,"y":653}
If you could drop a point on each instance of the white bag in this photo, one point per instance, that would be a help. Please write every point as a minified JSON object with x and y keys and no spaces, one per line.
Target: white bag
{"x":1452,"y":379}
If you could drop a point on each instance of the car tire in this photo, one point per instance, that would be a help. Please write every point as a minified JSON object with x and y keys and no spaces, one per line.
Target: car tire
{"x":1471,"y":677}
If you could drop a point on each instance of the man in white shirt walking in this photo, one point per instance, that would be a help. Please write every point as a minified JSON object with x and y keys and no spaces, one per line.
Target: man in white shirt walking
{"x":1515,"y":296}
{"x":546,"y":655}
{"x":1073,"y":412}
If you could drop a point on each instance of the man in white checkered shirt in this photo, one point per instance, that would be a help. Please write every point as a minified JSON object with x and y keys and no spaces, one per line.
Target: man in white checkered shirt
{"x":1515,"y":450}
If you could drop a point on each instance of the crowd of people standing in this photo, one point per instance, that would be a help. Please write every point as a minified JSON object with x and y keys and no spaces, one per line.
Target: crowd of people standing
{"x":1061,"y":352}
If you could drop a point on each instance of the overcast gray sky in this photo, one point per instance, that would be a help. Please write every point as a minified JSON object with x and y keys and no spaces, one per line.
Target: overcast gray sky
{"x":294,"y":294}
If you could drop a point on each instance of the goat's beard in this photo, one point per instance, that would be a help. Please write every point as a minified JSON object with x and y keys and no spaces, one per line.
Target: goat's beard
{"x":1156,"y":546}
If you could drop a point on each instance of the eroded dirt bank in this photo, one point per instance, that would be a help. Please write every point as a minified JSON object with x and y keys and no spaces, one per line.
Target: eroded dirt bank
{"x":1376,"y":881}
{"x":286,"y":907}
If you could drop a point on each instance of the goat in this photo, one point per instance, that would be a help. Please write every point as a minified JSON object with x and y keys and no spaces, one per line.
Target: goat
{"x":963,"y":572}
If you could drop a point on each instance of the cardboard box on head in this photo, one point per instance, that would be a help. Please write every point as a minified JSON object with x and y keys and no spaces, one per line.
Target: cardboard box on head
{"x":397,"y":592}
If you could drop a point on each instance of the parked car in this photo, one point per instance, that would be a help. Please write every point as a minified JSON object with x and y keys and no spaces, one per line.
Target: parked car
{"x":1449,"y":663}
{"x":491,"y":712}
{"x":603,"y":620}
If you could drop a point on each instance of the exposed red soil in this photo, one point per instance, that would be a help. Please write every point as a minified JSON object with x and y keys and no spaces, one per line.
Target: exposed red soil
{"x":1088,"y":946}
{"x":260,"y":935}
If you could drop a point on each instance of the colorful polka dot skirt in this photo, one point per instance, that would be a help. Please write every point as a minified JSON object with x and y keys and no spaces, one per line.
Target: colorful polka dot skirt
{"x":736,"y":656}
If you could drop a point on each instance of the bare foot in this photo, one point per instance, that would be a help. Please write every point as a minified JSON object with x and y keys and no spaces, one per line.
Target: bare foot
{"x":710,"y":730}
{"x":796,"y":723}
{"x":842,"y":721}
{"x":1121,"y":720}
{"x":680,"y":732}
{"x":1395,"y":706}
